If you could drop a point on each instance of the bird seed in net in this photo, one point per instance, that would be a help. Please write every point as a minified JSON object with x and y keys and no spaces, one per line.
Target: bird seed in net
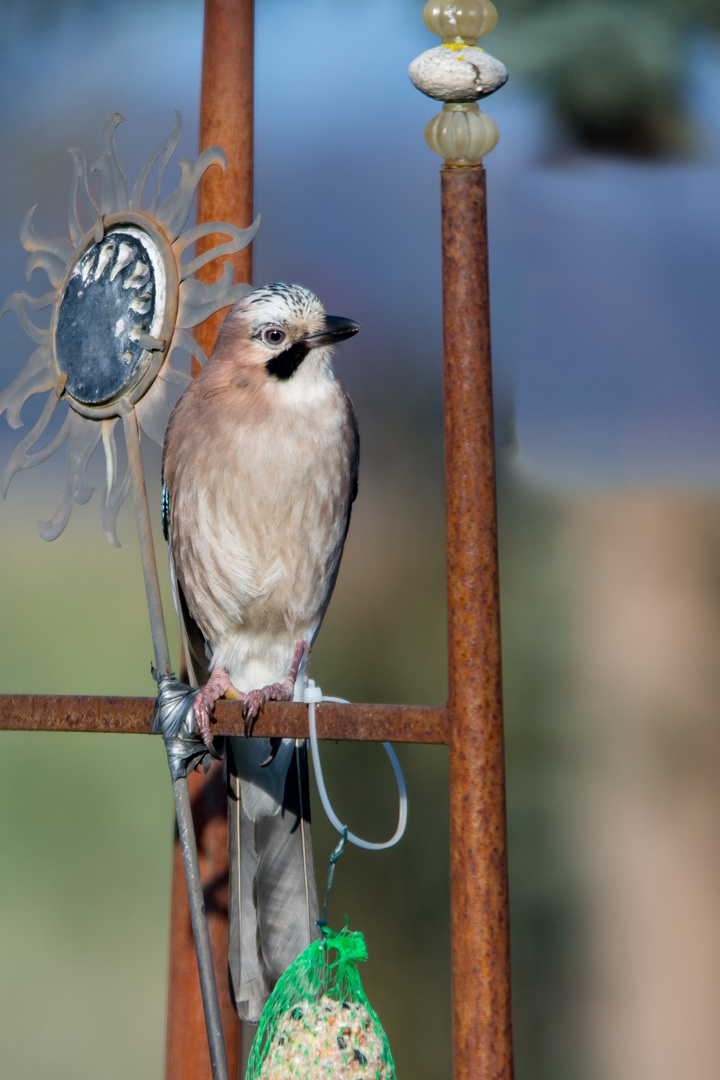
{"x":318,"y":1024}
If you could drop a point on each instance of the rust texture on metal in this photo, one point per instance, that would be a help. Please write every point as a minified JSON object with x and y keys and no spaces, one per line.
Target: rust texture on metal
{"x":365,"y":723}
{"x":50,"y":712}
{"x":226,"y":120}
{"x":482,"y":1028}
{"x":132,"y":716}
{"x":186,"y":1041}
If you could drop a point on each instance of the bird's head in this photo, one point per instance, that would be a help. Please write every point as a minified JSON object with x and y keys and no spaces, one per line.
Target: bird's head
{"x":274,"y":329}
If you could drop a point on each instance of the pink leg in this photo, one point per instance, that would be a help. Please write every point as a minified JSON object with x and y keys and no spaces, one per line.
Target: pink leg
{"x":284,"y":691}
{"x":217,"y":685}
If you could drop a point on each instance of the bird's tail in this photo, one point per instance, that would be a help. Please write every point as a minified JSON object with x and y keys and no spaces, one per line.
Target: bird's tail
{"x":273,"y":896}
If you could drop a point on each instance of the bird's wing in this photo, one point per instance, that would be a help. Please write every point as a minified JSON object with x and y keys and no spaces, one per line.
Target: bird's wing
{"x":193,"y":640}
{"x":194,"y":645}
{"x":354,"y":440}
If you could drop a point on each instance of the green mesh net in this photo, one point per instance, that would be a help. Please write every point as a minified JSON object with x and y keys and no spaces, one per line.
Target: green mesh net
{"x":318,"y":1022}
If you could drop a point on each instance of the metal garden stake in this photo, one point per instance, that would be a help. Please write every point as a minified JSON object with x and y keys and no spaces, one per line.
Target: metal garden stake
{"x":457,"y":73}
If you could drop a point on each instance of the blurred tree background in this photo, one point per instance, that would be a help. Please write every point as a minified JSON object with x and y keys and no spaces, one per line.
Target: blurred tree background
{"x":614,"y":74}
{"x":605,"y":246}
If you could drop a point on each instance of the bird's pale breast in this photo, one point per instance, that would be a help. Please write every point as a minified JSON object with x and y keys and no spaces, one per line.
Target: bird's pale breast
{"x":260,"y":501}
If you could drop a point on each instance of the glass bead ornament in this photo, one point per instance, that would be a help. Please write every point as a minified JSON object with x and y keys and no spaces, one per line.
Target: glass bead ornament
{"x":462,"y":134}
{"x":458,"y":73}
{"x":463,"y":23}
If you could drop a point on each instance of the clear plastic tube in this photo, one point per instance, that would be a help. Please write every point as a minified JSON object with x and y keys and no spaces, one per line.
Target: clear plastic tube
{"x":313,"y":694}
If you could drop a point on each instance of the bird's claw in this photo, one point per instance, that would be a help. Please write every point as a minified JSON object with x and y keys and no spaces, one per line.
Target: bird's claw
{"x":202,"y":705}
{"x":252,"y":706}
{"x":254,"y":703}
{"x":275,"y":744}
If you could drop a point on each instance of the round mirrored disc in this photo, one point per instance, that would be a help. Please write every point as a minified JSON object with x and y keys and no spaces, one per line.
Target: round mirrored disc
{"x":114,"y":296}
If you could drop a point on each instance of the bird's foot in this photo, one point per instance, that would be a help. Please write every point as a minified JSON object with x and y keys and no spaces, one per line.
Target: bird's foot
{"x":284,"y":691}
{"x":254,"y":702}
{"x":204,"y":703}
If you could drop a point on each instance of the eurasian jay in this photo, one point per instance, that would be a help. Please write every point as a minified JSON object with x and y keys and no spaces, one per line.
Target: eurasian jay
{"x":259,"y":474}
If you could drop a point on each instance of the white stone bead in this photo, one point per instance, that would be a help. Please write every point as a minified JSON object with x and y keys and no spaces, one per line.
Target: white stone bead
{"x":462,"y":134}
{"x":457,"y":73}
{"x":460,"y":22}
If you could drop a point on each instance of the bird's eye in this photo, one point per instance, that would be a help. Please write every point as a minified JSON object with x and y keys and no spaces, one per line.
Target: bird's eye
{"x":273,"y":336}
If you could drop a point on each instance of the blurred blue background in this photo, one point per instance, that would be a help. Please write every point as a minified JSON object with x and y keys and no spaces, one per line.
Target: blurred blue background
{"x":605,"y":251}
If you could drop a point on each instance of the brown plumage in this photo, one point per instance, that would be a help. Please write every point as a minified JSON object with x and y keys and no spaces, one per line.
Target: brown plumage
{"x":260,"y":471}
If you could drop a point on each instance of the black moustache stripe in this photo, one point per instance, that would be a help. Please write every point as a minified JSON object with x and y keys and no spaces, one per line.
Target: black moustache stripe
{"x":285,"y":364}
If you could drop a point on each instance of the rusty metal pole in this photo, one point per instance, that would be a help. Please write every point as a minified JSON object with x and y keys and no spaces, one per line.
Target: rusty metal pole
{"x":226,"y":120}
{"x":482,"y":1029}
{"x":479,"y":915}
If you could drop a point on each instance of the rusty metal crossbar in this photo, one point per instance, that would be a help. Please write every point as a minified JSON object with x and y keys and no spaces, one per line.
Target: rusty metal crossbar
{"x":132,"y":716}
{"x":471,"y":725}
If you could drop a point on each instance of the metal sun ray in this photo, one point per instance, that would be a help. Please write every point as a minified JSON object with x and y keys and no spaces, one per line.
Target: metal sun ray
{"x":128,"y":258}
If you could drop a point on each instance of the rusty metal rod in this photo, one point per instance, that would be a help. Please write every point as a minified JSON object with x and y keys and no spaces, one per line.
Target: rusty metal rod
{"x":287,"y":719}
{"x":200,"y":931}
{"x":482,"y":1028}
{"x":226,"y":120}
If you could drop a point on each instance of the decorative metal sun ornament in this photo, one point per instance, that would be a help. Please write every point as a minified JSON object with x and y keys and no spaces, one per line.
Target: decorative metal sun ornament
{"x":122,"y":301}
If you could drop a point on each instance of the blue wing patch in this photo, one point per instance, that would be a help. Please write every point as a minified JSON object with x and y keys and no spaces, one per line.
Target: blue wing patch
{"x":165,"y":512}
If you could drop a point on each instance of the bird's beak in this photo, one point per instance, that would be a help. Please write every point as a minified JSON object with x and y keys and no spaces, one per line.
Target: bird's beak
{"x":336,"y":329}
